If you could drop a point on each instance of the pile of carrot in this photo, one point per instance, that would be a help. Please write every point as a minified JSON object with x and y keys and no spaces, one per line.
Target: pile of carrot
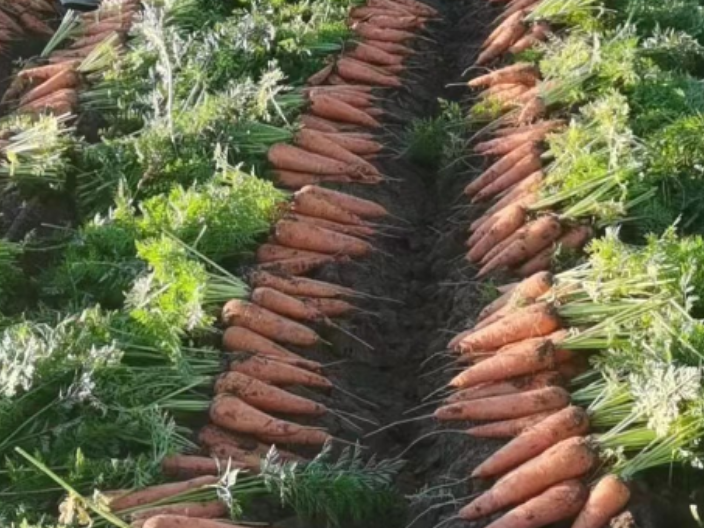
{"x":20,"y":18}
{"x":336,"y":143}
{"x":54,"y":86}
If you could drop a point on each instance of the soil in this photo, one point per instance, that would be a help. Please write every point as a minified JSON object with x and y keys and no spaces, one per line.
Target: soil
{"x":392,"y":352}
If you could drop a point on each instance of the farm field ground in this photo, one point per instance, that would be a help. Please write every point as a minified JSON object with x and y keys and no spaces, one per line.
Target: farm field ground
{"x":166,"y":205}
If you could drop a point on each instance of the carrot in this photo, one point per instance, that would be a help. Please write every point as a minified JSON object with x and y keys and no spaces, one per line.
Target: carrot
{"x":321,"y":76}
{"x":530,"y":288}
{"x":518,"y":5}
{"x":299,"y":265}
{"x":345,"y":229}
{"x":571,"y":458}
{"x":232,"y":413}
{"x":507,"y":143}
{"x":390,"y":5}
{"x":243,"y":449}
{"x":370,"y":31}
{"x":534,"y":321}
{"x":359,"y":100}
{"x":180,"y":521}
{"x":363,"y":12}
{"x":538,"y":235}
{"x":540,"y":125}
{"x":152,"y":494}
{"x":356,"y":145}
{"x":303,"y":235}
{"x":503,"y":41}
{"x":283,"y":156}
{"x":506,"y":407}
{"x":278,"y":373}
{"x":557,"y":503}
{"x":507,"y":222}
{"x":520,"y":171}
{"x":500,"y":28}
{"x":573,"y":240}
{"x":44,"y":73}
{"x":188,"y":466}
{"x":521,"y":72}
{"x":285,"y":305}
{"x":390,"y":47}
{"x":296,"y":180}
{"x":526,"y":357}
{"x":519,"y":191}
{"x":498,"y":168}
{"x":329,"y":307}
{"x":356,"y":71}
{"x":300,"y":286}
{"x":329,"y":108}
{"x":107,"y":26}
{"x":511,"y":386}
{"x":274,"y":252}
{"x":239,"y":339}
{"x":496,"y":250}
{"x":312,"y":204}
{"x":606,"y":500}
{"x":266,"y":397}
{"x":267,"y":323}
{"x":373,"y":55}
{"x":58,"y":103}
{"x":395,"y":22}
{"x":322,"y":125}
{"x":538,"y":33}
{"x":419,"y":8}
{"x":533,"y":109}
{"x":354,"y":204}
{"x":567,"y":423}
{"x":34,"y":24}
{"x":194,"y":510}
{"x":507,"y":428}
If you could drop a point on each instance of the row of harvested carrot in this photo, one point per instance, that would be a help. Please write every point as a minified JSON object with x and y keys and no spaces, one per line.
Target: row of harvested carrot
{"x":331,"y":147}
{"x":319,"y":227}
{"x":22,"y":18}
{"x":54,"y":86}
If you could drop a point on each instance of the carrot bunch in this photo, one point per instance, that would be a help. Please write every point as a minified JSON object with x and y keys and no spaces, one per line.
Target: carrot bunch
{"x":55,"y":86}
{"x":19,"y":18}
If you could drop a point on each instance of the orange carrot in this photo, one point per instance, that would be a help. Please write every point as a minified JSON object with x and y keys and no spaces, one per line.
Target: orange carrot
{"x":390,"y":5}
{"x":370,"y":31}
{"x":503,"y":41}
{"x":498,"y":168}
{"x":361,"y":72}
{"x":573,"y":240}
{"x":274,"y":252}
{"x":530,"y":288}
{"x":287,"y":157}
{"x":303,"y":235}
{"x":266,"y":397}
{"x":190,"y":510}
{"x":233,"y":414}
{"x":537,"y":236}
{"x":519,"y":191}
{"x":506,"y":407}
{"x":533,"y":109}
{"x":180,"y":521}
{"x":321,"y":76}
{"x":526,"y":357}
{"x":571,"y":458}
{"x":296,"y":180}
{"x":298,"y":266}
{"x":300,"y":286}
{"x":277,"y":373}
{"x":60,"y":102}
{"x":188,"y":466}
{"x":507,"y":428}
{"x":506,"y":223}
{"x":243,"y":449}
{"x":356,"y":145}
{"x":329,"y":307}
{"x":322,"y":125}
{"x":364,"y":12}
{"x":395,"y":22}
{"x":346,"y":229}
{"x":520,"y":171}
{"x":312,"y":204}
{"x":329,"y":108}
{"x":239,"y":339}
{"x":390,"y":47}
{"x":317,"y":143}
{"x":567,"y":423}
{"x":358,"y":206}
{"x":267,"y":323}
{"x":522,"y":72}
{"x":557,"y":503}
{"x":359,"y":100}
{"x":44,"y":73}
{"x":538,"y":33}
{"x":373,"y":55}
{"x":534,"y":321}
{"x":496,"y":250}
{"x":606,"y":500}
{"x":541,"y":380}
{"x":157,"y":493}
{"x":503,"y":26}
{"x":518,"y":5}
{"x":285,"y":305}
